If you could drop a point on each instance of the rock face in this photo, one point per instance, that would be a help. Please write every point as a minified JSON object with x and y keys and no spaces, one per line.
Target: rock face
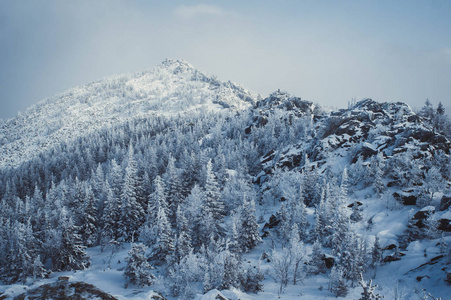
{"x":444,"y":224}
{"x":420,"y":217}
{"x":273,"y":222}
{"x":282,"y":106}
{"x":65,"y":290}
{"x":445,"y":203}
{"x":362,"y":131}
{"x":283,"y":101}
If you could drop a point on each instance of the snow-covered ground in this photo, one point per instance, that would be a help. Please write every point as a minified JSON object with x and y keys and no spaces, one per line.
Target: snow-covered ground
{"x":394,"y":278}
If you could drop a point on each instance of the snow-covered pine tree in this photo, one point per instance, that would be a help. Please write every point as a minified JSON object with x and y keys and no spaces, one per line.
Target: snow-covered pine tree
{"x":298,"y":213}
{"x":211,"y":223}
{"x":116,"y":179}
{"x":251,"y":279}
{"x":71,"y":254}
{"x":316,"y":264}
{"x":311,"y":179}
{"x":184,"y":275}
{"x":163,"y":247}
{"x":376,"y":255}
{"x":213,"y":202}
{"x":137,"y":271}
{"x":321,"y":222}
{"x":39,"y":270}
{"x":131,"y":213}
{"x":368,"y":290}
{"x":282,"y":263}
{"x":337,"y":284}
{"x":158,"y":200}
{"x":231,"y":270}
{"x":344,"y":188}
{"x":89,"y":219}
{"x":18,"y":255}
{"x":378,"y":165}
{"x":175,"y":190}
{"x":182,"y":244}
{"x":341,"y":230}
{"x":299,"y":258}
{"x":248,"y":227}
{"x":98,"y":180}
{"x":431,"y":227}
{"x":427,"y":111}
{"x":110,"y":217}
{"x":284,"y":228}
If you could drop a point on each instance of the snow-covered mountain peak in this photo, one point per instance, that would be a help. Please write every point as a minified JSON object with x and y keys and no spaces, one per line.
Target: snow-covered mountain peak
{"x":176,"y":65}
{"x":377,"y":110}
{"x":174,"y":87}
{"x":283,"y":100}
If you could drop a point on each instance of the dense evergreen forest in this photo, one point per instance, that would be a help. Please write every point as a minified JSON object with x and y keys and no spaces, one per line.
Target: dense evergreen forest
{"x":193,"y":193}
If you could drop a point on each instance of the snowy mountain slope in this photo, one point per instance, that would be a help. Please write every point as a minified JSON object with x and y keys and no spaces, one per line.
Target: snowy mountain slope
{"x":363,"y":131}
{"x":230,"y":194}
{"x":174,"y":87}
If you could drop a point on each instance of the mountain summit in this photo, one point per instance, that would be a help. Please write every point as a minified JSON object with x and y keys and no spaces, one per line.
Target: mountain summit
{"x":174,"y":87}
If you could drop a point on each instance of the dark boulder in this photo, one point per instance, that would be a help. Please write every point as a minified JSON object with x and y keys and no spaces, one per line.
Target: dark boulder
{"x":390,"y":258}
{"x":424,"y":213}
{"x":273,"y":222}
{"x":365,"y":152}
{"x":264,"y":256}
{"x":405,"y":198}
{"x":419,"y":278}
{"x":394,"y":183}
{"x":268,"y":157}
{"x":409,"y":200}
{"x":445,"y":203}
{"x":448,"y":277}
{"x":444,"y":225}
{"x":390,"y":247}
{"x":265,"y":234}
{"x":394,"y":257}
{"x":329,"y":262}
{"x":357,"y":203}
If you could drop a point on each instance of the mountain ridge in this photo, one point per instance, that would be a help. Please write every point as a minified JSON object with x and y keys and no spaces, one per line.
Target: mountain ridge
{"x":170,"y":88}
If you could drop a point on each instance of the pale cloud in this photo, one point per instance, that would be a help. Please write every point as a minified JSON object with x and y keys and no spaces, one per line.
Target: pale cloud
{"x":193,"y":11}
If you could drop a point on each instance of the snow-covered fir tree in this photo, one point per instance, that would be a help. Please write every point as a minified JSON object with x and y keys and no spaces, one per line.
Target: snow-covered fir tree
{"x":338,"y":284}
{"x":368,"y":290}
{"x":131,"y":213}
{"x":137,"y":271}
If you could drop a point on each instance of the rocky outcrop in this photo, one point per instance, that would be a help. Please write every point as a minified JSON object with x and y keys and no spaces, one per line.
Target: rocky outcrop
{"x":63,"y":289}
{"x":364,"y":130}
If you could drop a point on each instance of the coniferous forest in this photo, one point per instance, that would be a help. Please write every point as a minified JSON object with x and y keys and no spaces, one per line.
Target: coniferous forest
{"x":203,"y":186}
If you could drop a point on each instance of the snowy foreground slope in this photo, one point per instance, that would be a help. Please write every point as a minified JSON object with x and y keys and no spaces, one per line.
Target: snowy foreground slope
{"x":171,"y":184}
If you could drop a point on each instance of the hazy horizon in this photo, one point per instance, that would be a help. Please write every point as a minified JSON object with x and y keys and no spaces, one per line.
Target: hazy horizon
{"x":323,"y":51}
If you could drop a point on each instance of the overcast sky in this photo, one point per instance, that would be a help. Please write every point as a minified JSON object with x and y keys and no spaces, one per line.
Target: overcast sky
{"x":324,"y":51}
